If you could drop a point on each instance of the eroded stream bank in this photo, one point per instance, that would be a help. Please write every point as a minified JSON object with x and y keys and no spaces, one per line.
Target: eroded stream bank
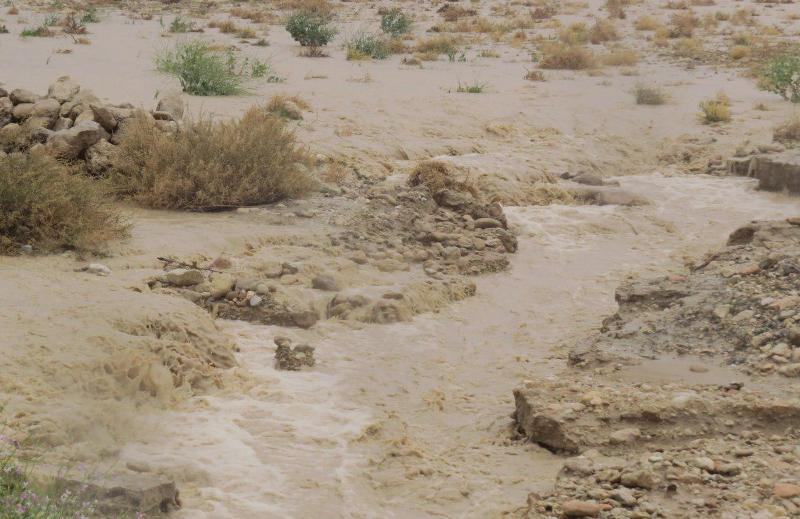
{"x":413,"y":419}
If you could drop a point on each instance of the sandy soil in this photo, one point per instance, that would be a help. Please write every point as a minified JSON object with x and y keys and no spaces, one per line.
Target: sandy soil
{"x":403,"y":420}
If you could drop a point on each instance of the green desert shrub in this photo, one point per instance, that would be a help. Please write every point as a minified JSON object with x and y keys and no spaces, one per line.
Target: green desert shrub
{"x":395,"y":23}
{"x":210,"y":166}
{"x":556,"y":55}
{"x":46,"y":206}
{"x":204,"y":71}
{"x":781,"y":75}
{"x":311,"y":30}
{"x":366,"y":45}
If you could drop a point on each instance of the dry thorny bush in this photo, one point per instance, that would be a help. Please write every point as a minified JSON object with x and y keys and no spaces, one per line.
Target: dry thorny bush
{"x":212,"y":166}
{"x":49,"y":206}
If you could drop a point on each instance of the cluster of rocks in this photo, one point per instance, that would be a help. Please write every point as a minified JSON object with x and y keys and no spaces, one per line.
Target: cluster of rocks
{"x":741,"y":304}
{"x":279,"y":296}
{"x":776,"y":171}
{"x":292,"y":358}
{"x":672,"y":448}
{"x":72,"y":123}
{"x":447,"y":231}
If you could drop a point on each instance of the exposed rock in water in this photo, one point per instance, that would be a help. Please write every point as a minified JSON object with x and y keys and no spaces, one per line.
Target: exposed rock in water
{"x":290,"y":358}
{"x":775,"y":172}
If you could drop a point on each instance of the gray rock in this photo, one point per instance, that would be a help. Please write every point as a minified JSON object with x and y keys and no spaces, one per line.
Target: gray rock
{"x":128,"y":493}
{"x":19,"y":95}
{"x":47,"y":107}
{"x":172,"y":104}
{"x":292,"y":359}
{"x":778,"y":172}
{"x":63,"y":90}
{"x":184,"y":277}
{"x":22,"y":111}
{"x":104,"y":117}
{"x":325,"y":282}
{"x":487,"y":223}
{"x":72,"y":143}
{"x":62,"y":123}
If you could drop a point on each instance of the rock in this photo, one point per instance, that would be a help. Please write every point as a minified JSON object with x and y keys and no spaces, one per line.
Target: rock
{"x":575,"y":508}
{"x":62,"y":123}
{"x":704,"y":463}
{"x":163,"y":116}
{"x":72,"y":143}
{"x":628,"y":435}
{"x":292,"y":359}
{"x":588,"y":179}
{"x":325,"y":282}
{"x":100,"y":157}
{"x":45,"y":108}
{"x":19,"y":96}
{"x":608,"y":196}
{"x":22,"y":111}
{"x":487,"y":223}
{"x":128,"y":493}
{"x":104,"y":117}
{"x":220,"y":284}
{"x":624,"y":497}
{"x":639,"y":479}
{"x":86,"y":115}
{"x":777,"y":172}
{"x":184,"y":277}
{"x":98,"y":269}
{"x":63,"y":90}
{"x":785,"y":490}
{"x":172,"y":104}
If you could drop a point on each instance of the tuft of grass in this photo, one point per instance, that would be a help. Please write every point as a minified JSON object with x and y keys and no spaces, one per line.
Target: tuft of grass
{"x":367,"y":45}
{"x":534,"y":75}
{"x":574,"y":34}
{"x":210,"y":166}
{"x":620,"y":58}
{"x":472,"y":88}
{"x":738,"y":52}
{"x":47,"y":206}
{"x":649,"y":95}
{"x":224,"y":26}
{"x":206,"y":72}
{"x":310,"y":30}
{"x":288,"y":107}
{"x":90,"y":16}
{"x":180,"y":25}
{"x":715,"y":110}
{"x":603,"y":31}
{"x":788,"y":132}
{"x":437,"y":45}
{"x":683,"y":25}
{"x":41,"y":31}
{"x":436,"y":175}
{"x":646,"y":23}
{"x":566,"y":57}
{"x":396,"y":23}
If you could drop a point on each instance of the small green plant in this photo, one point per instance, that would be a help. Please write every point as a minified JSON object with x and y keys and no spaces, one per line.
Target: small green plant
{"x":781,"y":75}
{"x":3,"y":29}
{"x":473,"y":88}
{"x":310,"y":30}
{"x":51,"y":20}
{"x":648,"y":95}
{"x":39,"y":32}
{"x":366,"y":45}
{"x":90,"y":16}
{"x":180,"y":25}
{"x":204,"y":71}
{"x":396,"y":23}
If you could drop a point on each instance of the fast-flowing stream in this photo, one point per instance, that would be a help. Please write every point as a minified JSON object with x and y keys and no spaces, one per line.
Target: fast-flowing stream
{"x":413,"y":419}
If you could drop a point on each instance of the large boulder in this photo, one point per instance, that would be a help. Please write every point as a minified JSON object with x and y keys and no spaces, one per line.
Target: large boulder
{"x":104,"y":117}
{"x":22,"y":111}
{"x":47,"y":108}
{"x":777,"y":172}
{"x":63,"y":90}
{"x":72,"y":143}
